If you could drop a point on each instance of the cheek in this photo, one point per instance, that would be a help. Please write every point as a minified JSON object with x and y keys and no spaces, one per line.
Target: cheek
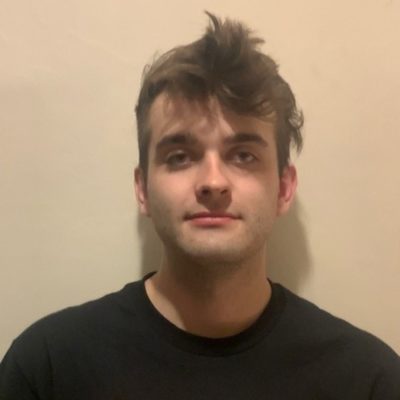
{"x":263,"y":189}
{"x":166,"y":197}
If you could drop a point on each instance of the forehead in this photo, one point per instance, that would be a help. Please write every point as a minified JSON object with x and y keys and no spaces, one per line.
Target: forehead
{"x":204,"y":119}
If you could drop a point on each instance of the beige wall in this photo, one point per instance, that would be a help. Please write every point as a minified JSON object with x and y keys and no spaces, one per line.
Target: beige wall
{"x":69,"y":74}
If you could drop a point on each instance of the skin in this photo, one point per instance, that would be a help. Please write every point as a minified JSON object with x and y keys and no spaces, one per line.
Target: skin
{"x":206,"y":159}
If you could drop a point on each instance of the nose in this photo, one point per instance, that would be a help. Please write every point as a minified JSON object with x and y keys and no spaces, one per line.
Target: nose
{"x":212,"y":183}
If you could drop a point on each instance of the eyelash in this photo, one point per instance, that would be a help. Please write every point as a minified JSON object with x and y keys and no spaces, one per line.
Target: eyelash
{"x":253,"y":158}
{"x":172,"y":159}
{"x":181,"y":158}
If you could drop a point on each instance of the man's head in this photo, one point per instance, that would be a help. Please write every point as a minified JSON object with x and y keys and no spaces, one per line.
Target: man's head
{"x":226,"y":64}
{"x":215,"y":125}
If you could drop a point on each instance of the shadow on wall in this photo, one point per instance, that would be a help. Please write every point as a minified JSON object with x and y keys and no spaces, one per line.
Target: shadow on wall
{"x":289,"y":261}
{"x":288,"y":254}
{"x":152,"y":248}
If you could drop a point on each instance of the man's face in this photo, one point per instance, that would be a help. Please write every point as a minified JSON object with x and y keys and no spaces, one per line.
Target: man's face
{"x":213,"y":190}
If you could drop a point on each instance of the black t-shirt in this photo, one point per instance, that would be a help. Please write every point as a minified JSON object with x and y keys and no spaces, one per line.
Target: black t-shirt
{"x":120,"y":348}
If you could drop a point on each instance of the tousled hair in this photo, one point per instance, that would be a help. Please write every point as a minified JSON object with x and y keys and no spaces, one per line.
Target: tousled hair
{"x":225,"y":63}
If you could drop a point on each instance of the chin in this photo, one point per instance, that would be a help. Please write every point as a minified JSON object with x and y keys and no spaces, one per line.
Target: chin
{"x":217,"y":255}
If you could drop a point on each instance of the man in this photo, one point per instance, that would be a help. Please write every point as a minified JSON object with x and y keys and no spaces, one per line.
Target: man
{"x":215,"y":125}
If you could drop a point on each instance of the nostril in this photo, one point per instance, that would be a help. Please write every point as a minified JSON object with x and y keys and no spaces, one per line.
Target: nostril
{"x":208,"y":191}
{"x":205,"y":191}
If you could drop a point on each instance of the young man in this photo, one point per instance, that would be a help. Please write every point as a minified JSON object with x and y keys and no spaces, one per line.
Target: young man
{"x":215,"y":125}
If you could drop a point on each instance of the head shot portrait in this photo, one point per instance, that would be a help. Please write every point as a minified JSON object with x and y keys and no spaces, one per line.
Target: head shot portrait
{"x":250,"y":235}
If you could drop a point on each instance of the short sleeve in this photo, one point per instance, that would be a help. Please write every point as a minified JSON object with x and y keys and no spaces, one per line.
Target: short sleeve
{"x":25,"y":371}
{"x":387,"y":383}
{"x":13,"y":383}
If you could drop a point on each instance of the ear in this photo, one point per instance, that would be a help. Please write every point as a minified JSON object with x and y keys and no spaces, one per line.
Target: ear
{"x":141,"y":192}
{"x":287,"y":189}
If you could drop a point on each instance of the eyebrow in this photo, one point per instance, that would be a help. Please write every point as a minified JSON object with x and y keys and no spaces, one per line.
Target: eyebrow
{"x":187,"y":138}
{"x":245,"y":137}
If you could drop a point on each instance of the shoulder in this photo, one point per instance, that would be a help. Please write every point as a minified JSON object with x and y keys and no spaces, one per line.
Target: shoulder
{"x":341,"y":348}
{"x":307,"y":320}
{"x":70,"y":325}
{"x":63,"y":341}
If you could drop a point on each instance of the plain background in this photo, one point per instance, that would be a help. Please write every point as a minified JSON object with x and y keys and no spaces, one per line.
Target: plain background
{"x":69,"y":77}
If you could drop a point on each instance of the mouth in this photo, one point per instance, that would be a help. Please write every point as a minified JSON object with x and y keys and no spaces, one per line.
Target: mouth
{"x":211,"y":219}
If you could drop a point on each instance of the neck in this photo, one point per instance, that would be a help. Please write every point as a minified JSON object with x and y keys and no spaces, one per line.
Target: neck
{"x":211,"y":301}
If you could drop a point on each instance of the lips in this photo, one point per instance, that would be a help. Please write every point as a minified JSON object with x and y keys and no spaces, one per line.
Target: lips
{"x":211,"y":215}
{"x":211,"y":219}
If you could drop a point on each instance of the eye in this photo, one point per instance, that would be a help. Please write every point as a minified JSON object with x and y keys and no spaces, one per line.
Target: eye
{"x":177,"y":159}
{"x":243,"y":157}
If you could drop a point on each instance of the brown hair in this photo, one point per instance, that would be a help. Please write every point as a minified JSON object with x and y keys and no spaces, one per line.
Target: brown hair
{"x":225,"y":63}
